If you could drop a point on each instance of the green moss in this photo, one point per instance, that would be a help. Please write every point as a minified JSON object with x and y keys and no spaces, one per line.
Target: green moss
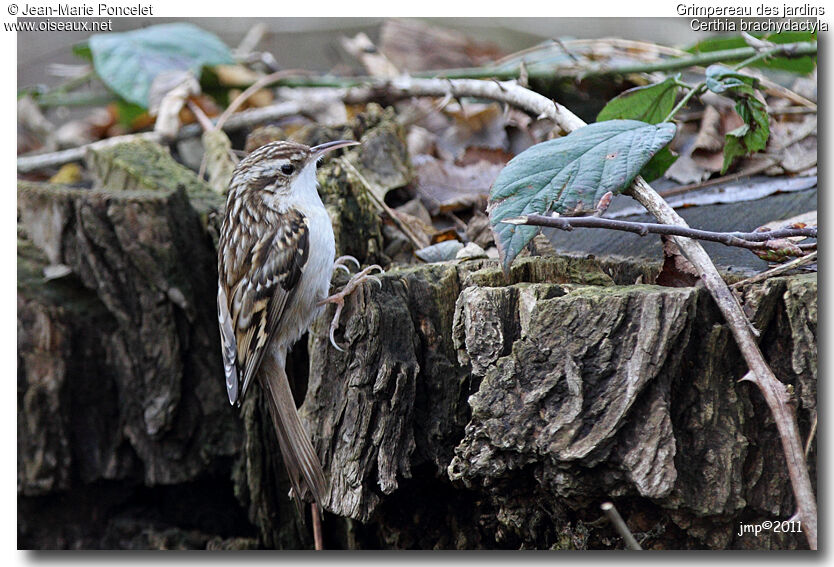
{"x":142,"y":165}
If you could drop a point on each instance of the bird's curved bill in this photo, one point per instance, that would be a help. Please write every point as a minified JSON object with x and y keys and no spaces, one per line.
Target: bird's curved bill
{"x":322,"y":149}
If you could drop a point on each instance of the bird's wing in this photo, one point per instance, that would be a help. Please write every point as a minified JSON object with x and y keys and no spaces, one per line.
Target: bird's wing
{"x":257,"y":280}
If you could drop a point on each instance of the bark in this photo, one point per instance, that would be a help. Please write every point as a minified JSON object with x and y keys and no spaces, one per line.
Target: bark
{"x":468,"y":411}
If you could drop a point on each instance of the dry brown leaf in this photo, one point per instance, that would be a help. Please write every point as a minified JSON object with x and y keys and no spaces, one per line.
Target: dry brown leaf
{"x":416,"y":46}
{"x":420,"y":141}
{"x":479,"y":125}
{"x":235,"y":75}
{"x":677,"y":271}
{"x":375,"y":63}
{"x":474,"y":154}
{"x":799,"y":221}
{"x":444,"y":235}
{"x":479,"y":231}
{"x":709,"y":135}
{"x":415,"y":208}
{"x":444,"y":187}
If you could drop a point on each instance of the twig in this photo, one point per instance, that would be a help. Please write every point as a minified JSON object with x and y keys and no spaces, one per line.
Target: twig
{"x":203,"y":120}
{"x":75,"y":98}
{"x":710,"y":57}
{"x":792,"y":110}
{"x":810,"y":258}
{"x":811,"y":435}
{"x":237,"y":121}
{"x":261,"y":83}
{"x":766,"y":162}
{"x":318,"y":540}
{"x":251,"y":40}
{"x":620,"y":525}
{"x":750,"y":240}
{"x":774,"y":391}
{"x":52,"y":159}
{"x":380,"y":203}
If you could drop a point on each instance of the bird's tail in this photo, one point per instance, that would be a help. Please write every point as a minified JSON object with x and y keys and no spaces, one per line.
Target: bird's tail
{"x":300,"y":458}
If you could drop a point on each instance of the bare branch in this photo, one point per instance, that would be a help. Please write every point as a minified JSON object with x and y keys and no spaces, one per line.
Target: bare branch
{"x":778,"y":270}
{"x":750,"y":240}
{"x":620,"y":525}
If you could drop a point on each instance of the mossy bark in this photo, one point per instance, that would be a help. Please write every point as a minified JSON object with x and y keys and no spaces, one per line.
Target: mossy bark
{"x":469,"y":410}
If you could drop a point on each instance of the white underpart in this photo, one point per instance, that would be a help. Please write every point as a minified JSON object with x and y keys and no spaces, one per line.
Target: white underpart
{"x":318,"y":270}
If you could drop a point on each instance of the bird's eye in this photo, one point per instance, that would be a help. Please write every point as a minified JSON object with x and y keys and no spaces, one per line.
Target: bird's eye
{"x":287,"y":169}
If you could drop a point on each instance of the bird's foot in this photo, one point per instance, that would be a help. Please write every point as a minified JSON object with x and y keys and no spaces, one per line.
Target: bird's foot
{"x":339,"y":298}
{"x":341,"y":261}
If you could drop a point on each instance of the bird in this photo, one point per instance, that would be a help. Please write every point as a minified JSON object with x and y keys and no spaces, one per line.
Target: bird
{"x":275,"y":259}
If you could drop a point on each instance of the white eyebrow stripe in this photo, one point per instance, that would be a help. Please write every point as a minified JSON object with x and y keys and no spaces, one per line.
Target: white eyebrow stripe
{"x":270,"y":168}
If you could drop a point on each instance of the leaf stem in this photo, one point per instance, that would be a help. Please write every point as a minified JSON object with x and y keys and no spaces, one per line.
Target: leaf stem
{"x":696,"y":90}
{"x":757,"y":56}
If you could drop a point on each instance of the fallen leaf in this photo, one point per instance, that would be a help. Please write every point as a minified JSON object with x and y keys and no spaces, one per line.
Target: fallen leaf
{"x":479,"y":231}
{"x":798,"y":221}
{"x":444,"y":187}
{"x":68,"y":174}
{"x":415,"y":208}
{"x":422,"y":232}
{"x":677,"y":271}
{"x":474,"y":154}
{"x":416,"y":46}
{"x":475,"y":124}
{"x":444,"y":235}
{"x":470,"y":252}
{"x":235,"y":75}
{"x":440,"y":252}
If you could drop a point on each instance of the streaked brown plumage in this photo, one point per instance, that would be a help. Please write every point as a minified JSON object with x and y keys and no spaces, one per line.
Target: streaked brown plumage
{"x":275,"y":261}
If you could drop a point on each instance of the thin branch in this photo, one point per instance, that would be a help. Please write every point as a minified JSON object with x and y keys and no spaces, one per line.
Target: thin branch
{"x":318,"y":540}
{"x":380,"y":203}
{"x":237,"y":121}
{"x":548,"y":71}
{"x":749,"y":240}
{"x":774,"y":391}
{"x":261,"y":83}
{"x":811,"y":435}
{"x":620,"y":525}
{"x":809,"y":258}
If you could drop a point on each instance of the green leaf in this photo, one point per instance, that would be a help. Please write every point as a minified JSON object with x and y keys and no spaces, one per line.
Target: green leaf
{"x":128,"y":112}
{"x":82,"y":50}
{"x":752,"y":136}
{"x":723,"y":80}
{"x":803,"y":65}
{"x":128,"y":62}
{"x":657,"y":166}
{"x":651,"y":104}
{"x":569,"y":175}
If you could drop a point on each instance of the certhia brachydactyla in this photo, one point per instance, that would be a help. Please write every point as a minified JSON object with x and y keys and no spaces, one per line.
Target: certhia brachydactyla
{"x":275,"y":260}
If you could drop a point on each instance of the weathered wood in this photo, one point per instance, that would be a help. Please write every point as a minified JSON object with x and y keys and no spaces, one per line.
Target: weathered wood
{"x":469,"y":410}
{"x":150,"y":263}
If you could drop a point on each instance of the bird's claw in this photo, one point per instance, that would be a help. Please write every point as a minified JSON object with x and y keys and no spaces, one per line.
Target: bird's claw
{"x":339,"y":298}
{"x":342,"y":260}
{"x":339,"y":263}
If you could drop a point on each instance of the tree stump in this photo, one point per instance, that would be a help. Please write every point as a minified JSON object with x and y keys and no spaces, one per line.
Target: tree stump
{"x":468,"y":410}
